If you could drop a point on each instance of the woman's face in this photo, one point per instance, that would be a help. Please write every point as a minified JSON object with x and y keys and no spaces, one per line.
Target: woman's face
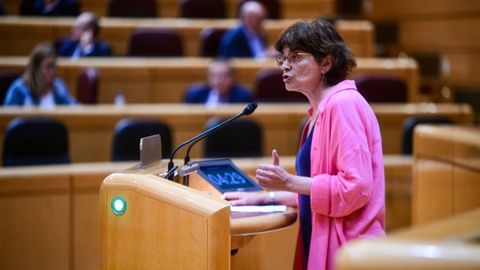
{"x":48,"y":69}
{"x":301,"y":72}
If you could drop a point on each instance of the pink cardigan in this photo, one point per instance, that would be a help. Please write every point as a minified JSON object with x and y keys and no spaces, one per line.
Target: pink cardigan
{"x":348,"y":189}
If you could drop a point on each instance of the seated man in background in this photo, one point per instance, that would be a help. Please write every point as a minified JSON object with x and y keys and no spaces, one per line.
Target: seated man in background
{"x":39,"y":84}
{"x":221,"y":87}
{"x":50,"y":8}
{"x":248,"y":39}
{"x":84,"y":39}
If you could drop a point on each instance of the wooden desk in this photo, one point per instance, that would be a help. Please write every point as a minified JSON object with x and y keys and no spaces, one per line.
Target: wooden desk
{"x":450,"y":243}
{"x":171,"y":8}
{"x":422,"y":21}
{"x":91,"y":127}
{"x":23,"y":33}
{"x":160,"y":80}
{"x":446,"y":180}
{"x":62,"y":202}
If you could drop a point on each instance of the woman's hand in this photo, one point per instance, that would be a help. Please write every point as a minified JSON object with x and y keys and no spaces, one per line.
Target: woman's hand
{"x":274,"y":177}
{"x":246,"y":198}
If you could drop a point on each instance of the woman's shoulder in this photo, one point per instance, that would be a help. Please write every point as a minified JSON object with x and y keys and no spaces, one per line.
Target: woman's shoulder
{"x":344,"y":93}
{"x":18,"y":83}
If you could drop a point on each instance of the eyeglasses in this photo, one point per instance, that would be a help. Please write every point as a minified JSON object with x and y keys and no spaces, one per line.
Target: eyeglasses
{"x":292,"y":58}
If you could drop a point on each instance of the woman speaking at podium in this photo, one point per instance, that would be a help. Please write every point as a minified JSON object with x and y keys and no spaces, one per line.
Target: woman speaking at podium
{"x":339,"y":186}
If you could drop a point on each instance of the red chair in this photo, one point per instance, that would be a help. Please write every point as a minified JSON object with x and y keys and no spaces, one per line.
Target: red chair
{"x":155,"y":42}
{"x":209,"y":9}
{"x":381,"y":88}
{"x":128,"y":8}
{"x":269,"y":87}
{"x":87,"y":86}
{"x":210,"y":39}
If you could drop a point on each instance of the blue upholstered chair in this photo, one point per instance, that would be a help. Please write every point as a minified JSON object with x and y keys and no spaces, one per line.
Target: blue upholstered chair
{"x":241,"y":138}
{"x":35,"y":142}
{"x":127,"y":134}
{"x":409,"y":127}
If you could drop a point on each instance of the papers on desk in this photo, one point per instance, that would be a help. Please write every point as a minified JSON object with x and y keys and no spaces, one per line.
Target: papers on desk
{"x":259,"y":208}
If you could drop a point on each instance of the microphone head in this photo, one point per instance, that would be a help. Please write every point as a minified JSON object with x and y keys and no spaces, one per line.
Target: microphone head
{"x":250,"y":108}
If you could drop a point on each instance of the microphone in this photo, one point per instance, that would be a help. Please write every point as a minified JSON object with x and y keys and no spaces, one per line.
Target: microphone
{"x":188,"y":169}
{"x":249,"y":109}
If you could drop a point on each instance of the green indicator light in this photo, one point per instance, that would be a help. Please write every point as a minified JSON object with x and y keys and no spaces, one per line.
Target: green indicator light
{"x":119,"y":205}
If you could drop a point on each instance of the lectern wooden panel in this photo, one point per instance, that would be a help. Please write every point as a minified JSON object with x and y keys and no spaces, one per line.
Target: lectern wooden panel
{"x":165,"y":226}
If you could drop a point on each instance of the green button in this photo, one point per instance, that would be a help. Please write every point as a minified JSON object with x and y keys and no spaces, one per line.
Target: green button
{"x":119,"y":205}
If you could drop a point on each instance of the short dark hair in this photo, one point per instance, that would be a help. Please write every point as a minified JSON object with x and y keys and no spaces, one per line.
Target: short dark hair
{"x":319,"y":38}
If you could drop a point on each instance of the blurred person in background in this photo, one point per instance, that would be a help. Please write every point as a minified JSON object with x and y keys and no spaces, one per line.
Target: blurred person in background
{"x":248,"y":39}
{"x":59,"y":8}
{"x":39,"y":84}
{"x":220,"y":88}
{"x":84,"y":39}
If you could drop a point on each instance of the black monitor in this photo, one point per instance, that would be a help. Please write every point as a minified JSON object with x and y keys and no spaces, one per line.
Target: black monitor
{"x":225,"y":176}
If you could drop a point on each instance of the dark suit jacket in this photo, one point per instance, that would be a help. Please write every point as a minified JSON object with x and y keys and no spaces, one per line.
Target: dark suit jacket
{"x":235,"y":44}
{"x":63,"y":8}
{"x":68,"y":47}
{"x":199,"y":94}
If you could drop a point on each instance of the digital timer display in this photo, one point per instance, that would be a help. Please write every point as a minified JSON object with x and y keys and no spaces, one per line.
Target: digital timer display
{"x":225,"y":176}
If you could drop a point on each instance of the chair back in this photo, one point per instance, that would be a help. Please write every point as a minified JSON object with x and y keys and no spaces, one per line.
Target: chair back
{"x":242,"y":138}
{"x":380,"y":88}
{"x":269,"y":87}
{"x":26,"y":7}
{"x":208,"y":9}
{"x":6,"y":79}
{"x":135,"y":9}
{"x":87,"y":85}
{"x":155,"y":42}
{"x":127,"y":134}
{"x":210,"y":39}
{"x":409,"y":127}
{"x":34,"y":142}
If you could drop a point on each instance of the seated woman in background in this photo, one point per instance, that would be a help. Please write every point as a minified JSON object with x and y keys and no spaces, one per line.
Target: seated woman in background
{"x":39,"y":84}
{"x":84,"y":39}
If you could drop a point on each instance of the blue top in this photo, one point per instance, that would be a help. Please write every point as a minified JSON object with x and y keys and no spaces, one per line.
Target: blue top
{"x":19,"y":94}
{"x":302,"y":166}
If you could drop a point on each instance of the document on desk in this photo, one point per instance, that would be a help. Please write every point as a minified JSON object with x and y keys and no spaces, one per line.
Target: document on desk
{"x":259,"y":208}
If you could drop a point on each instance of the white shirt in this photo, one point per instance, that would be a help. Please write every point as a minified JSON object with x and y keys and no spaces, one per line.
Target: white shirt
{"x":213,"y":99}
{"x":256,"y":44}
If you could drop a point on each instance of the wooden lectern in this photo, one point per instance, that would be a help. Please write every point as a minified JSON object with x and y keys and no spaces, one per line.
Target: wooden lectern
{"x":148,"y":222}
{"x":164,"y":225}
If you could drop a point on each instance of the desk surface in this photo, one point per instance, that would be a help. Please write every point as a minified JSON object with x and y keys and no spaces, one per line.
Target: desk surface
{"x":91,"y":127}
{"x":23,"y":33}
{"x":160,"y":80}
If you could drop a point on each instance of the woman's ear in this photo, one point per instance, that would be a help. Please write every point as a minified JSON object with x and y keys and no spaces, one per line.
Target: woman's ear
{"x":326,"y":63}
